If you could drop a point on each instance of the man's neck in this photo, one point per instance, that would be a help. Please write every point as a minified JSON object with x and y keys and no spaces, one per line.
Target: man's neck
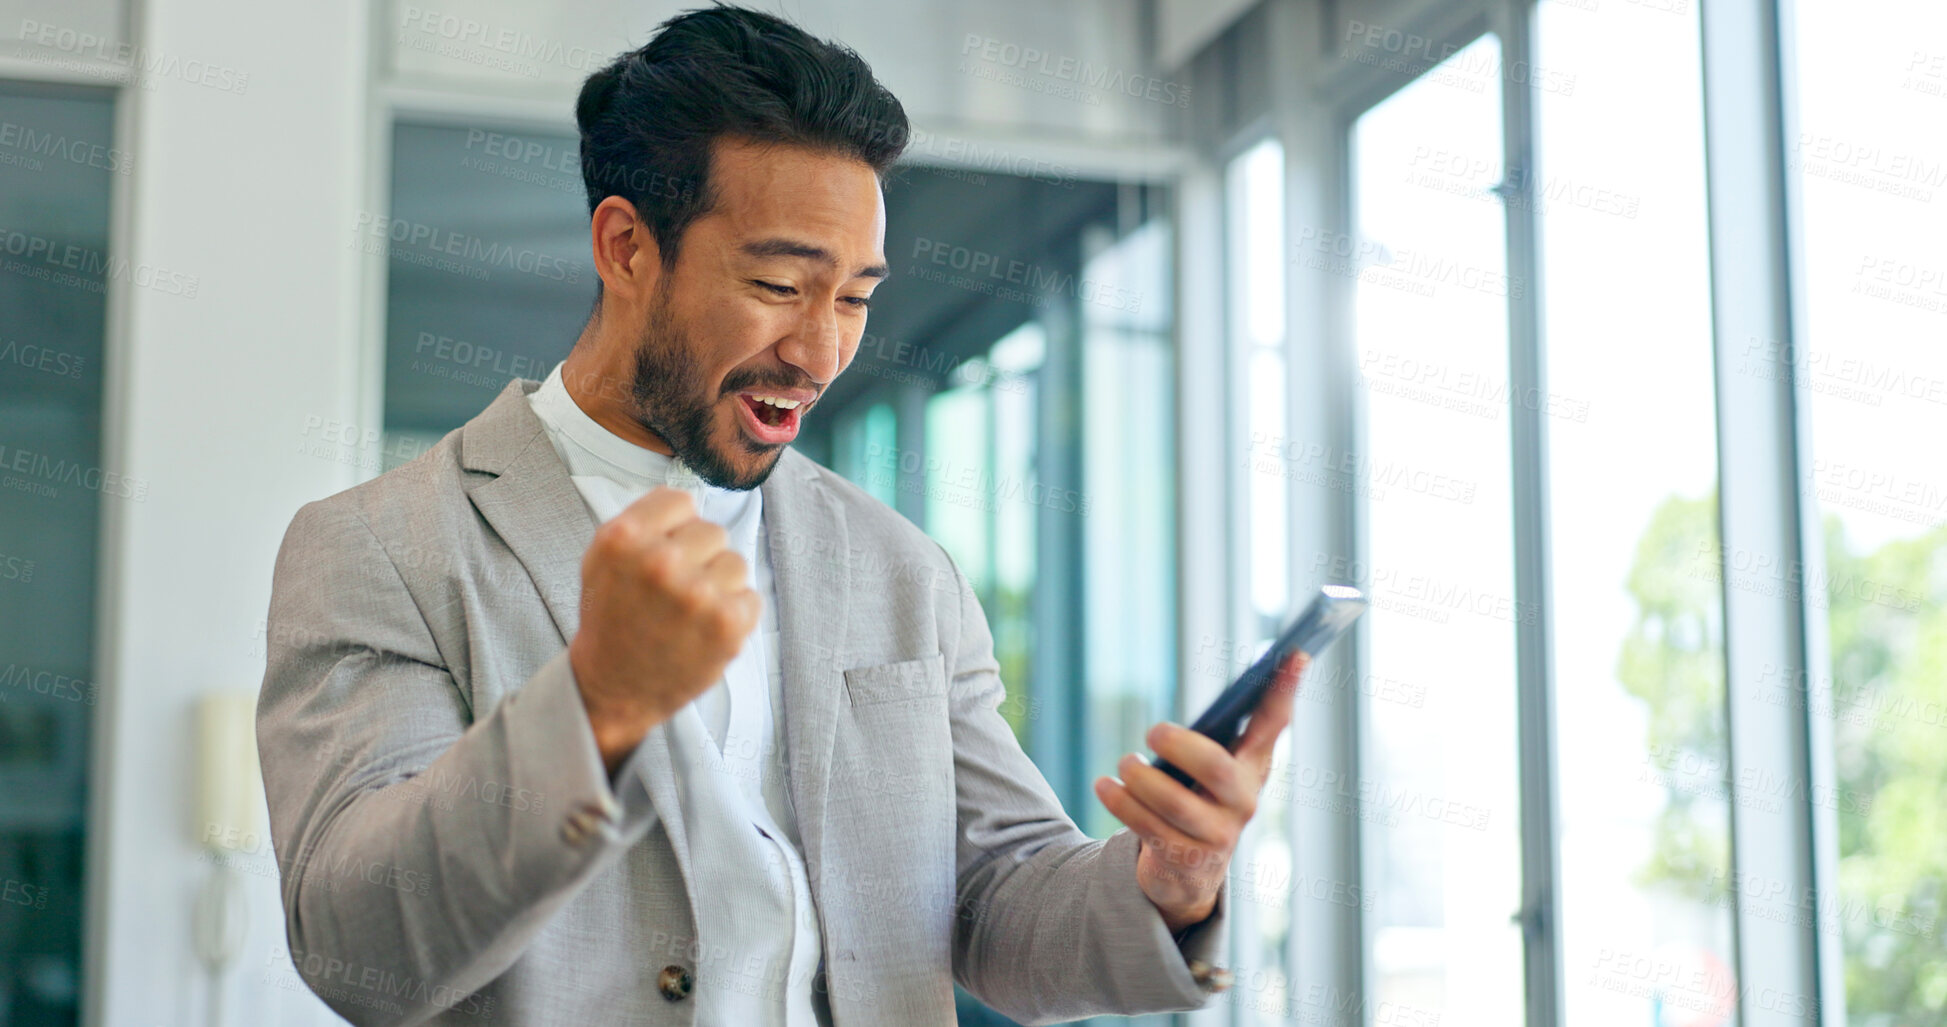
{"x":599,"y":380}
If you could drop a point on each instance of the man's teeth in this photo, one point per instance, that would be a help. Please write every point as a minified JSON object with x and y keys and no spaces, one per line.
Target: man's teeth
{"x":781,"y":404}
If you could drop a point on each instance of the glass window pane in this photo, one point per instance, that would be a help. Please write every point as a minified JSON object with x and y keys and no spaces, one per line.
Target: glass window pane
{"x":1255,"y":215}
{"x":1438,"y":794}
{"x":1010,"y":611}
{"x":1126,"y":500}
{"x":488,"y":278}
{"x":1872,"y":165}
{"x":959,"y":472}
{"x":867,"y":451}
{"x":58,"y":162}
{"x":1254,"y":187}
{"x":1639,"y":666}
{"x":1269,"y":461}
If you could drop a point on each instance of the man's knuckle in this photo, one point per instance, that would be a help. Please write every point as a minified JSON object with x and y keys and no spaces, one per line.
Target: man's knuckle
{"x":658,"y":565}
{"x":615,"y":535}
{"x":726,"y":621}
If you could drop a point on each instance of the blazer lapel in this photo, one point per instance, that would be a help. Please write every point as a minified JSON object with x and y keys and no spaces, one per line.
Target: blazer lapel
{"x":529,"y":500}
{"x":534,"y":508}
{"x":808,"y":545}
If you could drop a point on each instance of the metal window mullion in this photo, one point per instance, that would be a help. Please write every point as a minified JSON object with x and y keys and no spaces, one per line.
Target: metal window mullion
{"x":1328,"y":940}
{"x":1240,"y":613}
{"x":1060,"y":732}
{"x":990,"y":520}
{"x":1760,"y":516}
{"x":1206,"y":571}
{"x":1824,"y":855}
{"x":1539,"y":913}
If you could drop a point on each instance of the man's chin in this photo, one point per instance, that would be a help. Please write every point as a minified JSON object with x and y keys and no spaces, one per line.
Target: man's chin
{"x":752,"y":464}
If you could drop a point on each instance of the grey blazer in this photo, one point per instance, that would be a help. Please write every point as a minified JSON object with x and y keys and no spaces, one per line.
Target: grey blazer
{"x":452,"y":850}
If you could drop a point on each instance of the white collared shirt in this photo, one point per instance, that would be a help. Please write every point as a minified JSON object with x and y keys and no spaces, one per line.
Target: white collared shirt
{"x":756,"y":924}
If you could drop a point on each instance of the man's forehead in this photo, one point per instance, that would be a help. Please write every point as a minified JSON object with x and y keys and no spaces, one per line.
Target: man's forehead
{"x":789,"y":201}
{"x":768,"y":171}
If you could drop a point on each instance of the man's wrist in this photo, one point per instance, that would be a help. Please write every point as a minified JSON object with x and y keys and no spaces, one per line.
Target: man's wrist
{"x":1181,"y":920}
{"x":1209,"y":978}
{"x":615,"y":747}
{"x":616,"y":735}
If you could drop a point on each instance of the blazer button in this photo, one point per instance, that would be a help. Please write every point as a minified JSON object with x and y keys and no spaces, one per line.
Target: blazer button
{"x":1211,"y":979}
{"x":675,"y":983}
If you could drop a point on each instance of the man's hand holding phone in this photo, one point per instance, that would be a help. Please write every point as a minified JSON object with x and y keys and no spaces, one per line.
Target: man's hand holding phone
{"x":1188,"y":836}
{"x":1190,"y":806}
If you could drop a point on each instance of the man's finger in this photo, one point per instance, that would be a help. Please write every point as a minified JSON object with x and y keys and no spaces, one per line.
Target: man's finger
{"x":1195,"y":815}
{"x":1190,"y":863}
{"x":700,"y":540}
{"x":1273,"y":713}
{"x":727,"y":570}
{"x":1207,"y":763}
{"x":1174,"y":846}
{"x":659,"y":510}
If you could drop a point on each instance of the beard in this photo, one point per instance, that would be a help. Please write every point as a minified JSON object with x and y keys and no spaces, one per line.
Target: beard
{"x":671,"y":401}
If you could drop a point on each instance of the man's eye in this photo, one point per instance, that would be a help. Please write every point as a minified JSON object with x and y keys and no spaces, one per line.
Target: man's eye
{"x":861,"y":302}
{"x":780,"y":290}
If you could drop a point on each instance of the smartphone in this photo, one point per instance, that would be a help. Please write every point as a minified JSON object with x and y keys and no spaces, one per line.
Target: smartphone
{"x":1329,"y":613}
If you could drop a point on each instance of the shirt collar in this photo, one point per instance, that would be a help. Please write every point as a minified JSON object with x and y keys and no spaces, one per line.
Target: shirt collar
{"x":590,"y":449}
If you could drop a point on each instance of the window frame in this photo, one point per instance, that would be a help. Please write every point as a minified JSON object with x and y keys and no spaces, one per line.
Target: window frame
{"x":1764,"y":466}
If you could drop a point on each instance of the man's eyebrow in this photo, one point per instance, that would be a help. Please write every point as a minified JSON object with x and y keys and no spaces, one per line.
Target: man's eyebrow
{"x":806,"y":251}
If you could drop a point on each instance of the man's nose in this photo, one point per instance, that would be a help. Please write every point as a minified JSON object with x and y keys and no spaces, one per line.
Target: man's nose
{"x":813,"y":348}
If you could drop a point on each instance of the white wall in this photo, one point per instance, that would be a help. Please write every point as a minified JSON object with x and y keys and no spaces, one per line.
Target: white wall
{"x":250,"y":192}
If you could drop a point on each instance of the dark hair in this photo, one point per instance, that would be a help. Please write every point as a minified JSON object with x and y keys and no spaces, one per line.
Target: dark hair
{"x":648,"y":120}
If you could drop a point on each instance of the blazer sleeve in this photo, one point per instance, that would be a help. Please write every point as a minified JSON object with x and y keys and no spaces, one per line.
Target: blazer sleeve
{"x":420,"y":848}
{"x":1050,"y":925}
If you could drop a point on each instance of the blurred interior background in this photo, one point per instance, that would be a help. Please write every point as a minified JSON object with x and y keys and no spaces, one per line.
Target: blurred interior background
{"x":1603,"y":341}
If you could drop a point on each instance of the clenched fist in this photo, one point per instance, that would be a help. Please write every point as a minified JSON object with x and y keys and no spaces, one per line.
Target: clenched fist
{"x":664,"y":608}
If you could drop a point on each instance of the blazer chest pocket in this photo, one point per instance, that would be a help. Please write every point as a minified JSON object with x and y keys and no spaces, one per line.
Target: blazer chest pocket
{"x":896,"y":747}
{"x":900,"y":681}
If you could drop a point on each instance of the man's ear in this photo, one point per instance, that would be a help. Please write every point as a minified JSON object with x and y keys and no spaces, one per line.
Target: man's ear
{"x":626,"y":256}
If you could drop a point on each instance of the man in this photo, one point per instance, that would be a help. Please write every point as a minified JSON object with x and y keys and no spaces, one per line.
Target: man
{"x":612,"y":708}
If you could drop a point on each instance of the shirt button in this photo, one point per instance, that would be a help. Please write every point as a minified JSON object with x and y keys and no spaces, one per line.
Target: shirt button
{"x":675,"y":983}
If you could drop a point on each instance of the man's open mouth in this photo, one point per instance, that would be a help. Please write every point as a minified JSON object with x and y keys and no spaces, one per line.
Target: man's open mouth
{"x":771,"y":410}
{"x":771,"y":419}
